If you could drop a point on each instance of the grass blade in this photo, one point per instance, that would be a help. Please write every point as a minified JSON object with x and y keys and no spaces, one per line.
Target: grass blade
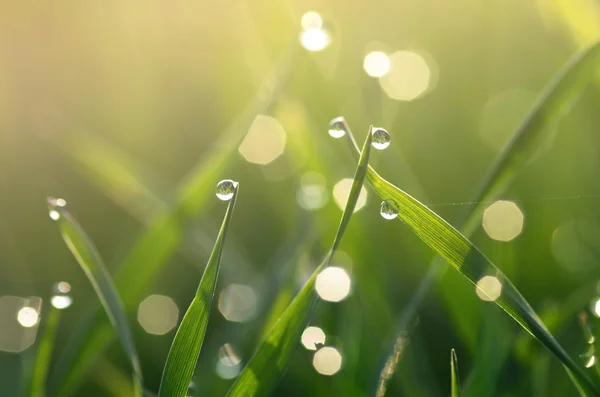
{"x":187,"y":343}
{"x":556,"y":99}
{"x":91,"y":263}
{"x":455,"y":381}
{"x":163,"y":237}
{"x":268,"y":363}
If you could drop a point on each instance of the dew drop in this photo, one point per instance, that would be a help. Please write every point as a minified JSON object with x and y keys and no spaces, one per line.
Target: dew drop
{"x":60,"y":295}
{"x":192,"y":390}
{"x":226,"y":189}
{"x":381,"y":138}
{"x":54,"y":206}
{"x":337,"y":128}
{"x":389,"y":209}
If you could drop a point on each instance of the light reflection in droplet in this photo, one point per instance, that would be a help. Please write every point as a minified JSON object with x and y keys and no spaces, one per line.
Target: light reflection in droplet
{"x":158,"y":314}
{"x":596,"y":307}
{"x":376,"y":64}
{"x":591,"y":362}
{"x":327,"y":361}
{"x":333,"y":284}
{"x":27,"y":316}
{"x":54,"y":215}
{"x":314,"y":39}
{"x":489,"y":288}
{"x":503,"y":220}
{"x":229,"y":362}
{"x":312,"y":337}
{"x":225,"y":189}
{"x":311,"y":20}
{"x":238,"y":303}
{"x":264,"y":142}
{"x":60,"y":295}
{"x":341,"y":191}
{"x":408,"y":77}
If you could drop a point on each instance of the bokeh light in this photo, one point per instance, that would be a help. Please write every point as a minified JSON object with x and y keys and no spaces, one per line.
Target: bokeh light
{"x":575,"y":245}
{"x":311,"y":20}
{"x":264,"y":142}
{"x":312,"y":337}
{"x":333,"y":284}
{"x":341,"y":191}
{"x":238,"y":303}
{"x":18,"y":322}
{"x":314,"y":39}
{"x":503,"y":220}
{"x":377,"y":64}
{"x":327,"y":361}
{"x":312,"y":193}
{"x":489,"y":288}
{"x":408,"y":78}
{"x":229,"y":362}
{"x":596,"y":307}
{"x":158,"y":314}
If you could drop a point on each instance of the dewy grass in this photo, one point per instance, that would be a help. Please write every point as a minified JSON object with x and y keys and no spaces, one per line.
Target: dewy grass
{"x":186,"y":346}
{"x":91,"y":263}
{"x":270,"y":360}
{"x":164,"y":235}
{"x":557,"y":98}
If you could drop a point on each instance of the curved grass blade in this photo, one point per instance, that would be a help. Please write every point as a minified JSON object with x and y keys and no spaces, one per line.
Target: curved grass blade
{"x":163,"y":237}
{"x":91,"y":263}
{"x":455,"y":380}
{"x":556,"y":99}
{"x":465,"y":257}
{"x":187,"y":343}
{"x":269,"y":362}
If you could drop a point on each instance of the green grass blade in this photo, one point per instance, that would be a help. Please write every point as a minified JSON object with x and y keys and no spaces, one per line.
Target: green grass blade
{"x":36,"y":386}
{"x":163,"y":237}
{"x":187,"y":343}
{"x":91,"y":263}
{"x":455,"y":380}
{"x":269,"y":362}
{"x":459,"y":252}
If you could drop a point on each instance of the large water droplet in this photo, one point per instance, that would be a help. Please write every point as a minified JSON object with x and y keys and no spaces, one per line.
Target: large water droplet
{"x":60,"y":295}
{"x":192,"y":390}
{"x":381,"y":138}
{"x":337,"y":127}
{"x":389,"y":209}
{"x":226,"y":189}
{"x":54,"y":206}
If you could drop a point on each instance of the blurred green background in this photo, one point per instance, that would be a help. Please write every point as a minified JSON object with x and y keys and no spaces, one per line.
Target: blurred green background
{"x":112,"y":105}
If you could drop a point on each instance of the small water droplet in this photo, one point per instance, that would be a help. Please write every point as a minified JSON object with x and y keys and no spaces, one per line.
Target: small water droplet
{"x":389,"y":209}
{"x":54,"y":206}
{"x":226,"y":189}
{"x":60,"y":295}
{"x":381,"y":138}
{"x":192,"y":390}
{"x":337,"y":127}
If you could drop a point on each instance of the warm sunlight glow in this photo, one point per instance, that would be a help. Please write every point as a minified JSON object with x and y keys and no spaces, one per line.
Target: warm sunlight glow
{"x":503,"y":220}
{"x":488,"y":288}
{"x":312,"y":337}
{"x":311,"y":20}
{"x":238,"y":303}
{"x":264,"y":142}
{"x":27,"y":316}
{"x":314,"y":39}
{"x":158,"y":314}
{"x":327,"y":361}
{"x":408,"y":77}
{"x":341,"y":191}
{"x":333,"y":284}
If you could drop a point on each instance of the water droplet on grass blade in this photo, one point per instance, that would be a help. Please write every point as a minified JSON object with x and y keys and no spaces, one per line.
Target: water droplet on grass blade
{"x":60,"y":295}
{"x":337,"y":128}
{"x":381,"y":138}
{"x":226,"y":189}
{"x":389,"y":209}
{"x":192,"y":390}
{"x":54,"y":206}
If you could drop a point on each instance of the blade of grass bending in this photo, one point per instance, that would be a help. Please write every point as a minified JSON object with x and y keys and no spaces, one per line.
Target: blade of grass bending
{"x":557,"y":97}
{"x":185,"y":349}
{"x":36,"y":386}
{"x":465,"y":257}
{"x":455,"y":380}
{"x":163,"y":237}
{"x":91,"y":263}
{"x":270,"y":360}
